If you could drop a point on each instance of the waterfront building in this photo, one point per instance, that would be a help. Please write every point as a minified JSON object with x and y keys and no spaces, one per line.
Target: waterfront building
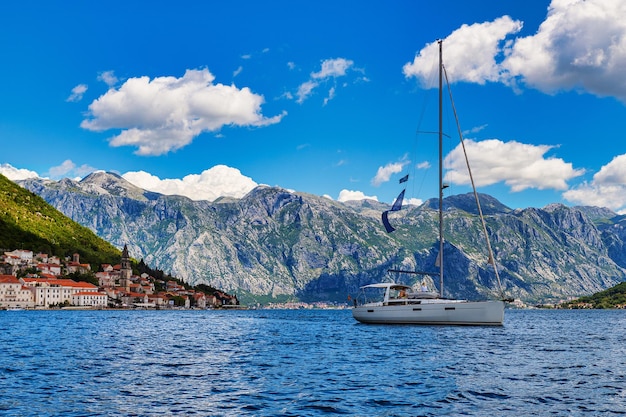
{"x":90,"y":299}
{"x":53,"y":292}
{"x":14,"y":294}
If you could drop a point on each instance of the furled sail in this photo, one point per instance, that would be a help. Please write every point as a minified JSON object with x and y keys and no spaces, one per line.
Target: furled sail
{"x":397,"y":205}
{"x":388,"y":227}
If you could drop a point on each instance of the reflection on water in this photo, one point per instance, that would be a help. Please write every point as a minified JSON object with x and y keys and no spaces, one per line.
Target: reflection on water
{"x":307,"y":363}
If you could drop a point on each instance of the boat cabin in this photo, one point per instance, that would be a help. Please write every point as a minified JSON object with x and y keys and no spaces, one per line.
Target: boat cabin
{"x":391,"y":293}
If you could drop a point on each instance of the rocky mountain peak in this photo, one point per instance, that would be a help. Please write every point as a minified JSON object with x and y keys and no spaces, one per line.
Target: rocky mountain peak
{"x":109,"y":183}
{"x":467,"y":203}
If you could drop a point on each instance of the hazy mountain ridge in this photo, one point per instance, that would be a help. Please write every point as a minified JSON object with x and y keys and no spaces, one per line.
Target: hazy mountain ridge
{"x":275,"y":242}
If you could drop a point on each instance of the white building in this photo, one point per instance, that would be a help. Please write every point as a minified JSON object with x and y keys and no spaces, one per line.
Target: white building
{"x":13,"y":293}
{"x":90,"y":299}
{"x":52,"y":269}
{"x":105,"y":279}
{"x":50,"y":292}
{"x":23,"y":255}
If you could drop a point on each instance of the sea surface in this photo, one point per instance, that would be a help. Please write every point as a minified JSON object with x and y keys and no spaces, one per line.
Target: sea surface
{"x":308,"y":363}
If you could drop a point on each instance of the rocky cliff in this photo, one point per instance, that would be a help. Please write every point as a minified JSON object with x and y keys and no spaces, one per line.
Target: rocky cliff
{"x":273,"y":243}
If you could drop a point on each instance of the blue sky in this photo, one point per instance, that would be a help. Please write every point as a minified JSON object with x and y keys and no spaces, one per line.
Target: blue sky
{"x":212,"y":98}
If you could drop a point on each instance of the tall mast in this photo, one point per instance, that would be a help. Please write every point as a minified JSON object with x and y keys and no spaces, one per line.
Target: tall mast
{"x":440,"y":170}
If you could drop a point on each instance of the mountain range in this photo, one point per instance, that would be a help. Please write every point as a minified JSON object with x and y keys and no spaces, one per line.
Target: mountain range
{"x":274,"y":244}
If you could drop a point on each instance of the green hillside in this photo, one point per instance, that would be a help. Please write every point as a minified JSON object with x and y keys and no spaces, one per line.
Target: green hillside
{"x":614,"y":297}
{"x":28,"y":222}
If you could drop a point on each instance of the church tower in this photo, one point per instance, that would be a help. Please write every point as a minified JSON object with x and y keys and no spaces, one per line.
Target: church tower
{"x":125,"y":270}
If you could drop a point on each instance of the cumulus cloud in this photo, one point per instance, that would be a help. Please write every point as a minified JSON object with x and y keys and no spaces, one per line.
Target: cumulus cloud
{"x":16,"y":174}
{"x":166,"y":113}
{"x":384,"y":173}
{"x":414,"y":201}
{"x":581,"y":45}
{"x":77,"y":93}
{"x":331,"y":70}
{"x":469,"y":53}
{"x":219,"y":181}
{"x":70,"y":169}
{"x":607,"y":189}
{"x":62,"y":169}
{"x":520,"y":166}
{"x":347,"y":195}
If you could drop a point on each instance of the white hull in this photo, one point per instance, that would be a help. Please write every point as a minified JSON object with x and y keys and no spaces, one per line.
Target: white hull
{"x":439,"y":311}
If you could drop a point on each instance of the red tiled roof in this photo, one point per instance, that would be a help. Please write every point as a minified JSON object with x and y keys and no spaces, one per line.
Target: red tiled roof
{"x":9,"y":279}
{"x":136,"y":295}
{"x":64,"y":282}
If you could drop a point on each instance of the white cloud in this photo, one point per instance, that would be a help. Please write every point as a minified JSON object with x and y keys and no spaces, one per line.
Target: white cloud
{"x":414,"y":201}
{"x":69,"y":169}
{"x":62,"y":169}
{"x":520,"y":166}
{"x":237,"y":71}
{"x":167,"y":113}
{"x":384,"y":173}
{"x":474,"y":130}
{"x":331,"y":95}
{"x":108,"y":77}
{"x":333,"y":68}
{"x":219,"y":181}
{"x":614,"y":173}
{"x":77,"y":93}
{"x":581,"y":45}
{"x":305,"y":90}
{"x":16,"y":174}
{"x":469,"y":53}
{"x":330,"y":71}
{"x":607,"y":189}
{"x":347,"y":195}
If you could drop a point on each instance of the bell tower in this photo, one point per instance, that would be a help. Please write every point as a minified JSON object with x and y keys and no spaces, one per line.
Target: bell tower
{"x":125,"y":270}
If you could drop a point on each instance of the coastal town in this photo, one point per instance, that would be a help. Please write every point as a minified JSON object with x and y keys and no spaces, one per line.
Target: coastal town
{"x":38,"y":281}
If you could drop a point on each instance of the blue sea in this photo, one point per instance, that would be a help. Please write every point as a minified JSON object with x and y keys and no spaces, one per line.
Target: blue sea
{"x":308,"y":363}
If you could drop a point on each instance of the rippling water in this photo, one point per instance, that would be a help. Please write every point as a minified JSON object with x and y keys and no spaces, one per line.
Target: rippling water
{"x":308,"y":363}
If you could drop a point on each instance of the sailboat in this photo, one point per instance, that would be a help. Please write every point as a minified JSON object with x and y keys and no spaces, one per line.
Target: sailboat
{"x":393,"y":303}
